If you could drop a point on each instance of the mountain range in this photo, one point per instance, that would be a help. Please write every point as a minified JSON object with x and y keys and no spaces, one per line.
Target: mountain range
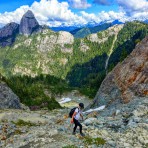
{"x":83,"y":31}
{"x":36,"y":54}
{"x":104,"y":67}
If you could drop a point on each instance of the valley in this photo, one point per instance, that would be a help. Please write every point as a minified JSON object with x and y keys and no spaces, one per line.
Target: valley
{"x":40,"y":68}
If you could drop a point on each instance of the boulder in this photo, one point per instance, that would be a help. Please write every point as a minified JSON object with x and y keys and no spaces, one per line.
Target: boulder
{"x":7,"y":98}
{"x":90,"y":121}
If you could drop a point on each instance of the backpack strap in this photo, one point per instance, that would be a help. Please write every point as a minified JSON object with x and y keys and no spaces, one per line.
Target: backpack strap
{"x":78,"y":109}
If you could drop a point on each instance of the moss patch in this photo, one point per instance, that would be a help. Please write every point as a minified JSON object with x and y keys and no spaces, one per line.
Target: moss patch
{"x":24,"y":123}
{"x":97,"y":141}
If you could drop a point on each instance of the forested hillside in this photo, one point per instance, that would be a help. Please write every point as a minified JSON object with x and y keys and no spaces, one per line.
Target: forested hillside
{"x":83,"y":32}
{"x":127,"y":38}
{"x":90,"y":74}
{"x":59,"y":62}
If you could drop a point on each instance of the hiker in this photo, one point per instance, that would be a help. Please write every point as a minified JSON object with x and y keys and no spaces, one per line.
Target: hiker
{"x":75,"y":118}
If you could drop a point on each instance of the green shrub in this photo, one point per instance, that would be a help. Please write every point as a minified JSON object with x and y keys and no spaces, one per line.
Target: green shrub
{"x":21,"y":122}
{"x":90,"y":141}
{"x":31,"y":91}
{"x":99,"y":141}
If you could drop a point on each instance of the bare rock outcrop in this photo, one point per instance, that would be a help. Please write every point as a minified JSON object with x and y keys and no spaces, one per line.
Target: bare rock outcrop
{"x":8,"y":34}
{"x":7,"y":98}
{"x":127,"y":81}
{"x":65,"y":38}
{"x":105,"y":34}
{"x":29,"y":24}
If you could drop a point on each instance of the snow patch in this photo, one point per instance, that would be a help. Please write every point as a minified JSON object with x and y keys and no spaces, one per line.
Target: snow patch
{"x":96,"y":109}
{"x":64,"y":100}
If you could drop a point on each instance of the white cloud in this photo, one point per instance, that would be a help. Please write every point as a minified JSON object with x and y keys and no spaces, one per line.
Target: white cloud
{"x":141,"y":16}
{"x":89,"y":16}
{"x":111,"y":16}
{"x":49,"y":12}
{"x":104,"y":16}
{"x":14,"y":16}
{"x":133,"y":6}
{"x":79,"y":4}
{"x":54,"y":13}
{"x":134,"y":9}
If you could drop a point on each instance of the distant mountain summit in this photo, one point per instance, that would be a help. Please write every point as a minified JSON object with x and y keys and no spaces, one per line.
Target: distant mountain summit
{"x":8,"y":34}
{"x":89,"y":29}
{"x":28,"y":24}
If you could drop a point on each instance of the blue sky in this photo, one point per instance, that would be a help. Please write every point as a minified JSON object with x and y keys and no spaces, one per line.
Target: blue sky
{"x":73,"y":12}
{"x":12,"y":5}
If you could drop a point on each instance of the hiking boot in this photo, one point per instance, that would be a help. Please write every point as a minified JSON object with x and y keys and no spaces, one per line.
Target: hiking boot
{"x":73,"y":133}
{"x":82,"y":134}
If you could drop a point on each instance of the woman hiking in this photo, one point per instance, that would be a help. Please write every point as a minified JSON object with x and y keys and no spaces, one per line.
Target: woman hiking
{"x":75,"y":118}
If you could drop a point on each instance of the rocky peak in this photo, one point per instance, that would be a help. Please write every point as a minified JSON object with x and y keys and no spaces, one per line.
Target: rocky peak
{"x":28,"y":24}
{"x":29,"y":14}
{"x":8,"y":34}
{"x":127,"y":82}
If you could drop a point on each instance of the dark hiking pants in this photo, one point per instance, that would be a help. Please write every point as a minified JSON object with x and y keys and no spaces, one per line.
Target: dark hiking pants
{"x":77,"y":123}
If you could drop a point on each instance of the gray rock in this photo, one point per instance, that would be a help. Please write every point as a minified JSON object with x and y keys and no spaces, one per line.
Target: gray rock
{"x":8,"y":34}
{"x":125,"y":83}
{"x":137,"y":120}
{"x":132,"y":123}
{"x":127,"y":145}
{"x":90,"y":121}
{"x":7,"y":98}
{"x":29,"y":24}
{"x":24,"y":107}
{"x":112,"y":143}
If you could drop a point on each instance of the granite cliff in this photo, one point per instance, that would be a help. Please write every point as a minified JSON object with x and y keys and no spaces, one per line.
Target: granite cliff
{"x":127,"y":82}
{"x":28,"y":24}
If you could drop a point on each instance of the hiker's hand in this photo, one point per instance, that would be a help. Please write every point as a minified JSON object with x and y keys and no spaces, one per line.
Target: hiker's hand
{"x":81,"y":116}
{"x":71,"y":121}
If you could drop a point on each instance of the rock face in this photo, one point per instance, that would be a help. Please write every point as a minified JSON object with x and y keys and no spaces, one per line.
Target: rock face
{"x":8,"y":34}
{"x":106,"y":34}
{"x":28,"y":24}
{"x":127,"y":81}
{"x":7,"y":98}
{"x":65,"y":38}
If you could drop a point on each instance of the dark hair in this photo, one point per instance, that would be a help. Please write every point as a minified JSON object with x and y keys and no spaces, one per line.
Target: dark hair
{"x":81,"y":105}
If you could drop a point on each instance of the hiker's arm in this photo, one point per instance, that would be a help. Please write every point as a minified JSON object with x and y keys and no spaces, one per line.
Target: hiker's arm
{"x":73,"y":116}
{"x":81,"y":116}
